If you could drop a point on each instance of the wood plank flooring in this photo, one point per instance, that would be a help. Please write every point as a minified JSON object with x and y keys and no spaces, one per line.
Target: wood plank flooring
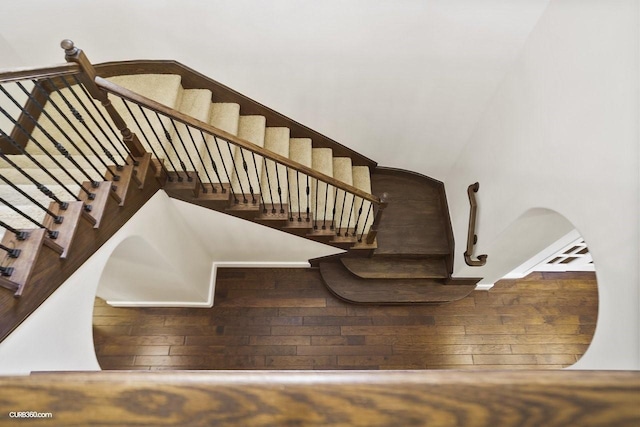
{"x":286,"y":319}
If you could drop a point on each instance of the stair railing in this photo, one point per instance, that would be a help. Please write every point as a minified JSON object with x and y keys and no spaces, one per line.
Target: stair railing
{"x":472,"y":237}
{"x":189,"y":140}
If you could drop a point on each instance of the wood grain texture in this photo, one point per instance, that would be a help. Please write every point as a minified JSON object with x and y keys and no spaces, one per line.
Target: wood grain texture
{"x":381,"y":268}
{"x":294,"y":322}
{"x":445,"y":398}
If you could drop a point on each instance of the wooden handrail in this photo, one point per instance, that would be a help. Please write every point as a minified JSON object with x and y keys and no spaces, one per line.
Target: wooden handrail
{"x":472,"y":238}
{"x":242,"y":143}
{"x":19,"y":74}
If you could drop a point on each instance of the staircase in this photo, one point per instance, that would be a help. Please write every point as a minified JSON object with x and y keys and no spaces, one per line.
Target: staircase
{"x":166,"y":126}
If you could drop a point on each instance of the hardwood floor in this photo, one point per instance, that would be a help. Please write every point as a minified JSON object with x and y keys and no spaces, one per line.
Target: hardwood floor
{"x":286,"y":319}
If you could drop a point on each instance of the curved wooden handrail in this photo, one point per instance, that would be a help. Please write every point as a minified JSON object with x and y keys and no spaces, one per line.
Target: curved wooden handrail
{"x":472,"y":238}
{"x":212,"y":130}
{"x":18,"y":74}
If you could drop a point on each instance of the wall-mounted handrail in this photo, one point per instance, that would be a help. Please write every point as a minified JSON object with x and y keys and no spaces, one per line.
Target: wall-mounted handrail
{"x":244,"y":144}
{"x":472,"y":237}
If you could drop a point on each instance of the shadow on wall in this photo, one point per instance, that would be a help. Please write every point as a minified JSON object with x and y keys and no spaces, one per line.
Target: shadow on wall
{"x":137,"y":272}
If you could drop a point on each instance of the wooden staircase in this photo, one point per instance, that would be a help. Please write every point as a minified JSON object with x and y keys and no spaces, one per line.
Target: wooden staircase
{"x":205,"y":144}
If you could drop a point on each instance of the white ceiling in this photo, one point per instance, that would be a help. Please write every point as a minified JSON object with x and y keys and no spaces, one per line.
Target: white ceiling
{"x":402,"y":82}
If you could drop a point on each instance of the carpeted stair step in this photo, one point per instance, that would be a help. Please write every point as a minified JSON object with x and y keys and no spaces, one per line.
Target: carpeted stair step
{"x":299,"y":151}
{"x":342,"y":171}
{"x":354,"y":289}
{"x":396,"y":268}
{"x":252,"y":129}
{"x":187,"y":146}
{"x":274,"y":176}
{"x":224,"y":116}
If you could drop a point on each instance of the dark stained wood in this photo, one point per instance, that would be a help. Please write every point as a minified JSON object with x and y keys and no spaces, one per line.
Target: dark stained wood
{"x":99,"y":203}
{"x":413,"y":222}
{"x":388,"y":291}
{"x":67,"y":229}
{"x":122,"y":185}
{"x":23,"y":265}
{"x":50,"y":271}
{"x":140,"y":170}
{"x":220,"y":93}
{"x":499,"y":398}
{"x":394,"y":268}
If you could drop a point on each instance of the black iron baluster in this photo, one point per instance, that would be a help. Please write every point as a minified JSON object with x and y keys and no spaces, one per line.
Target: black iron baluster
{"x":308,"y":200}
{"x":47,"y":115}
{"x":44,"y":190}
{"x":298,"y":188}
{"x":289,"y":195}
{"x":353,"y":201}
{"x":6,"y":271}
{"x":235,"y":168}
{"x":226,"y":172}
{"x":213,"y":165}
{"x":56,"y":218}
{"x":315,"y":217}
{"x":333,"y":212}
{"x":355,"y":227}
{"x":70,"y":123}
{"x":344,"y":201}
{"x":266,"y":169}
{"x":47,"y":171}
{"x":107,"y":122}
{"x":52,"y":234}
{"x":365,"y":221}
{"x":246,"y":172}
{"x":199,"y":158}
{"x":279,"y":188}
{"x":144,"y":135}
{"x":20,"y":235}
{"x":81,"y":119}
{"x":167,"y":135}
{"x":169,"y":178}
{"x":326,"y":201}
{"x":55,"y":143}
{"x":93,"y":119}
{"x":13,"y":252}
{"x":189,"y":177}
{"x":255,"y":167}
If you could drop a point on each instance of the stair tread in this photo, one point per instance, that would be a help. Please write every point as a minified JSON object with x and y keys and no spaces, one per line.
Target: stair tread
{"x":252,"y":129}
{"x":276,"y":139}
{"x":224,"y":116}
{"x":381,"y":268}
{"x":388,"y":291}
{"x":415,"y":221}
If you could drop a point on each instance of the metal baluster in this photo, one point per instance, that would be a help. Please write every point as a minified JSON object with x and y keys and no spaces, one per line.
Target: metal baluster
{"x":86,"y":110}
{"x":344,"y":200}
{"x":20,"y":235}
{"x":346,"y":232}
{"x":52,"y":234}
{"x":44,"y":190}
{"x":255,"y":167}
{"x":47,"y":115}
{"x":315,"y":219}
{"x":266,"y":169}
{"x":6,"y":271}
{"x":365,"y":221}
{"x":70,"y":123}
{"x":235,"y":168}
{"x":289,"y":195}
{"x":308,"y":197}
{"x":13,"y":253}
{"x":213,"y":165}
{"x":298,"y":188}
{"x":107,"y":122}
{"x":199,"y":158}
{"x":189,"y":177}
{"x":355,"y":231}
{"x":80,"y":118}
{"x":169,"y":178}
{"x":55,"y":143}
{"x":279,"y":188}
{"x":246,"y":172}
{"x":167,"y":135}
{"x":20,"y":148}
{"x":326,"y":199}
{"x":56,"y":218}
{"x":135,"y":120}
{"x":333,"y":212}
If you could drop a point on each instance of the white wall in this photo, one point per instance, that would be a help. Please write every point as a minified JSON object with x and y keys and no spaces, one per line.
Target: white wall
{"x":561,"y":133}
{"x":364,"y":72}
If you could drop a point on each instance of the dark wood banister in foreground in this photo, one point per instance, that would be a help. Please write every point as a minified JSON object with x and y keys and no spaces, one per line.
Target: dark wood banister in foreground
{"x":472,"y":238}
{"x":207,"y":128}
{"x":19,"y":74}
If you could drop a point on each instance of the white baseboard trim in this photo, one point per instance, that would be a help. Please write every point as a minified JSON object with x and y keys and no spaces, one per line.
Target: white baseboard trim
{"x":212,"y":284}
{"x":484,"y":286}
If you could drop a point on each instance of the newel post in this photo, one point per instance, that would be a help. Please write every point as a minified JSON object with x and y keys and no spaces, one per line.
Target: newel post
{"x":87,"y":78}
{"x":373,"y":230}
